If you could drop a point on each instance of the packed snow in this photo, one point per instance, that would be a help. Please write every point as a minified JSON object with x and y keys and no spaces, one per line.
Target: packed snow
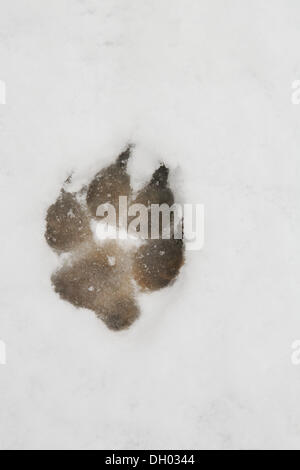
{"x":205,"y":86}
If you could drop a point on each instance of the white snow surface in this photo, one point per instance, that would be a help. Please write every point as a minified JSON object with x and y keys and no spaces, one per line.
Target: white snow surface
{"x":205,"y":86}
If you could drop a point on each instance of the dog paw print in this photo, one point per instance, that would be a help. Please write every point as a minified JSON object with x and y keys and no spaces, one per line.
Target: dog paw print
{"x":106,"y":275}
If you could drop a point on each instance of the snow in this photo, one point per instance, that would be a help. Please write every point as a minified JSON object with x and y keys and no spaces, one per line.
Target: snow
{"x":111,"y":260}
{"x":205,"y":86}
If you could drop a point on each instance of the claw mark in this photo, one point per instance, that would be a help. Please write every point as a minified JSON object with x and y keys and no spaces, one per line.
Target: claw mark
{"x":106,"y":278}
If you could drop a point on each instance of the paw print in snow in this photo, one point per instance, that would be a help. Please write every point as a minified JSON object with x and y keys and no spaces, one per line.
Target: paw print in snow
{"x":106,"y":275}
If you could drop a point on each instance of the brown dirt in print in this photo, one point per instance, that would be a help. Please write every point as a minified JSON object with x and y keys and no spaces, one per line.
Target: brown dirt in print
{"x":106,"y":276}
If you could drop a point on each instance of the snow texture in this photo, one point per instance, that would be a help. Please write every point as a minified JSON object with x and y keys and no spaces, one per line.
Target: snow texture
{"x":204,"y":85}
